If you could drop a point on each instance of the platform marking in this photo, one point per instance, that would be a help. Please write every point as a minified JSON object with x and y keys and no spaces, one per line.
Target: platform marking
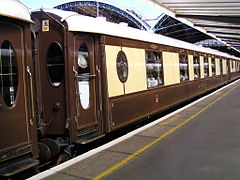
{"x":167,"y":122}
{"x":138,"y":152}
{"x":90,"y":153}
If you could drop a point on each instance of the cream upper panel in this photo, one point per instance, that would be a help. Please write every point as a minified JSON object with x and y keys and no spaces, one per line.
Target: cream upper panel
{"x":201,"y":67}
{"x":224,"y":63}
{"x":217,"y":61}
{"x":210,"y":66}
{"x":171,"y":68}
{"x":137,"y":78}
{"x":191,"y":69}
{"x":115,"y":87}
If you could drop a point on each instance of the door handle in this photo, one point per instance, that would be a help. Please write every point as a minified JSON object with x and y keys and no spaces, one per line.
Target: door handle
{"x":86,"y":76}
{"x":31,"y":89}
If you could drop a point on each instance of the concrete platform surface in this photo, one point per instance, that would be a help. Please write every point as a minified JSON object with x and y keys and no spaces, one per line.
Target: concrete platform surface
{"x":200,"y":142}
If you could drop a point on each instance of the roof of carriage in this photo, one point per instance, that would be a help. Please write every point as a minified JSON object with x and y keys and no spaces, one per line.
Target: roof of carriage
{"x":15,"y":9}
{"x":82,"y":23}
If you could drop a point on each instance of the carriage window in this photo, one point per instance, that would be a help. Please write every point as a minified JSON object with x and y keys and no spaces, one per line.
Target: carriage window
{"x":154,"y":67}
{"x":55,"y":64}
{"x":221,"y":66}
{"x":196,"y":65}
{"x":183,"y":66}
{"x":8,"y":74}
{"x":83,"y":78}
{"x":213,"y":67}
{"x":206,"y":67}
{"x":227,"y":66}
{"x":122,"y":66}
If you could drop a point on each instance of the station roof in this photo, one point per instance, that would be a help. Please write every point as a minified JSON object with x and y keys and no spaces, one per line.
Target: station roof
{"x":110,"y":11}
{"x":210,"y":23}
{"x":172,"y":27}
{"x":219,"y":18}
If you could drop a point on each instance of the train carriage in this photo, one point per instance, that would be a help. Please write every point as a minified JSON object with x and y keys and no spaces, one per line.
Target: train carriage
{"x":70,"y":79}
{"x":115,"y":75}
{"x":18,"y":138}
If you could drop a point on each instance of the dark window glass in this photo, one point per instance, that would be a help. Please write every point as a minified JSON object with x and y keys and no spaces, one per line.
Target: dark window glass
{"x":8,"y":74}
{"x":227,"y":66}
{"x":196,"y":66}
{"x":206,"y":66}
{"x":213,"y":67}
{"x":55,"y":64}
{"x":183,"y":66}
{"x":83,"y":79}
{"x":122,"y":66}
{"x":221,"y":66}
{"x":154,"y":68}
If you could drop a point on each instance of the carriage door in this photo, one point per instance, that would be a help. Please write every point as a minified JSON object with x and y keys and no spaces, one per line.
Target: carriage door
{"x":86,"y":87}
{"x":51,"y":59}
{"x":14,"y":120}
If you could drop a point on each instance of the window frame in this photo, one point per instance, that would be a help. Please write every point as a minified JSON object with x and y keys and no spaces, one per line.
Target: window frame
{"x":122,"y":65}
{"x":206,"y":66}
{"x":47,"y":65}
{"x":221,"y":66}
{"x":185,"y":59}
{"x":154,"y":57}
{"x":198,"y":70}
{"x":213,"y":60}
{"x":9,"y":96}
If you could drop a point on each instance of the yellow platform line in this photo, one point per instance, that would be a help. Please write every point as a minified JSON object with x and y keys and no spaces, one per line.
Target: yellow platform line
{"x":138,"y":152}
{"x":167,"y":122}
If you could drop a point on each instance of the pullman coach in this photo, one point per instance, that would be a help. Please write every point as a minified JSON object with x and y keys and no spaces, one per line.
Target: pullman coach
{"x":68,"y":79}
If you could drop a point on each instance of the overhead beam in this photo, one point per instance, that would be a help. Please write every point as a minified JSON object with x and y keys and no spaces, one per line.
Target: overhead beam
{"x":179,"y":31}
{"x":170,"y":26}
{"x":219,"y":32}
{"x":227,"y":19}
{"x":228,"y":38}
{"x":234,"y":44}
{"x":217,"y":26}
{"x":228,"y":35}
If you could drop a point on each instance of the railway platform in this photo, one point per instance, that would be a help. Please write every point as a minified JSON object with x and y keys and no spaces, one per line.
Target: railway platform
{"x":199,"y":141}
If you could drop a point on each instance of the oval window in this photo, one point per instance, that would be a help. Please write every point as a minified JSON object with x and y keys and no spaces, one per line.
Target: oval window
{"x":55,"y":64}
{"x":83,"y":63}
{"x":8,"y":74}
{"x":122,"y":66}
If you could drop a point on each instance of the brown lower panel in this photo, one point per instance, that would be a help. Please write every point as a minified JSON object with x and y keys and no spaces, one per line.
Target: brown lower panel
{"x":234,"y":75}
{"x":9,"y":154}
{"x":129,"y":108}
